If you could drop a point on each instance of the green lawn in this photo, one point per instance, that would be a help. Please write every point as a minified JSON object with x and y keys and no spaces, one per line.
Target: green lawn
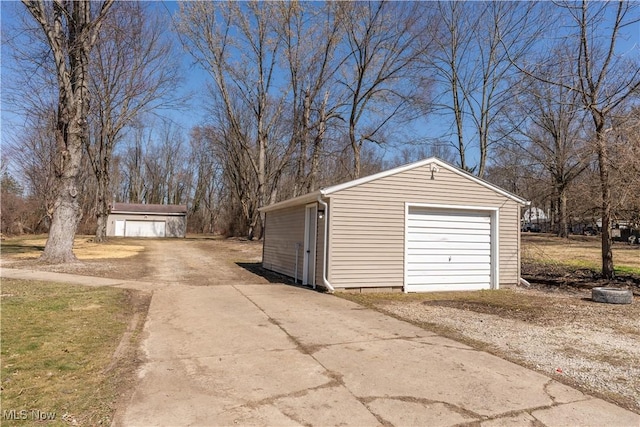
{"x":57,"y":342}
{"x":582,"y":252}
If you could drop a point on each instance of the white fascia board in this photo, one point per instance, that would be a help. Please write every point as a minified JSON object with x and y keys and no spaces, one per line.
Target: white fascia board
{"x":149,"y":213}
{"x":327,"y":191}
{"x":335,"y":188}
{"x":300,"y":200}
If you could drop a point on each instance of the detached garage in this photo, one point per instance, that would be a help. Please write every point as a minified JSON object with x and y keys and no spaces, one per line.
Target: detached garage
{"x":425,"y":226}
{"x":147,"y":220}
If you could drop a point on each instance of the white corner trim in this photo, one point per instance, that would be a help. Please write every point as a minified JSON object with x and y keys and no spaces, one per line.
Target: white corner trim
{"x":406,"y":243}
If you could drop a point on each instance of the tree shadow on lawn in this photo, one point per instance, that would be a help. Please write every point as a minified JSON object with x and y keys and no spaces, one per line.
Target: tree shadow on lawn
{"x":16,"y":248}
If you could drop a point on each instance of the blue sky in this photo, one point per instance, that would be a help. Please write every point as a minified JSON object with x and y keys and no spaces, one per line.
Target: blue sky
{"x":193,"y":87}
{"x":195,"y":82}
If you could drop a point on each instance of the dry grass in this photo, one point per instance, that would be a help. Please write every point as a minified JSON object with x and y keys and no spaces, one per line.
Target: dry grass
{"x":31,"y":247}
{"x":57,"y":342}
{"x":578,"y":251}
{"x":504,"y":303}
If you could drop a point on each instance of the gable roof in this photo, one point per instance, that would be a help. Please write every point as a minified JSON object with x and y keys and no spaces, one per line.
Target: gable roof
{"x":327,"y":191}
{"x":143,"y":208}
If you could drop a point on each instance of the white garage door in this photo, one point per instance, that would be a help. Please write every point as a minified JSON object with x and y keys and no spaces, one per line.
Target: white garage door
{"x":144,"y":228}
{"x":447,"y":250}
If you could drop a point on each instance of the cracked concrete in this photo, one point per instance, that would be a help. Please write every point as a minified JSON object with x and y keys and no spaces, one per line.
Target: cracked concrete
{"x":251,"y":352}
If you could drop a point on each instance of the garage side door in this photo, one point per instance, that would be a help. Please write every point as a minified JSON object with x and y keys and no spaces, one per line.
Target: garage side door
{"x":447,"y":250}
{"x":145,"y":228}
{"x":119,"y":229}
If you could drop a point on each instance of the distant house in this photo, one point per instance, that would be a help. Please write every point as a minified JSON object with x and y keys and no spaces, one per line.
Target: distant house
{"x":534,"y":215}
{"x":147,"y":220}
{"x":425,"y":226}
{"x":534,"y":219}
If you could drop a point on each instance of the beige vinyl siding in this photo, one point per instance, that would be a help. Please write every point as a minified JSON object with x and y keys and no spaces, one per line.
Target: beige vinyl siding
{"x":367,"y":228}
{"x":509,"y":243}
{"x":284,"y":229}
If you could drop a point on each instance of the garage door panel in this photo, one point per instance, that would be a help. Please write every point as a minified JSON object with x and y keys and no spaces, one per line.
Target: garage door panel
{"x":417,"y":216}
{"x":447,"y":250}
{"x":448,"y":287}
{"x":444,"y":246}
{"x":475,"y":264}
{"x":452,"y":226}
{"x":472,"y":257}
{"x":454,"y":235}
{"x":428,"y":248}
{"x":456,"y":269}
{"x":447,"y":279}
{"x":452,"y":238}
{"x":145,"y":228}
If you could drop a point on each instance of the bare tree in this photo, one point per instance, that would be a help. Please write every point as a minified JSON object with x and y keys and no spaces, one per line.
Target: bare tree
{"x":381,"y":51}
{"x":625,"y":177}
{"x":310,"y":36}
{"x":32,"y":154}
{"x":236,"y":44}
{"x":206,"y":203}
{"x":475,"y":44}
{"x":544,"y":124}
{"x":71,"y":30}
{"x":605,"y":80}
{"x":132,"y":73}
{"x":605,"y":83}
{"x":131,"y":163}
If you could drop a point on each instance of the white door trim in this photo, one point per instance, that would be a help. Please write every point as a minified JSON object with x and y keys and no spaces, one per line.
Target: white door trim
{"x":309,"y":254}
{"x":494,"y":213}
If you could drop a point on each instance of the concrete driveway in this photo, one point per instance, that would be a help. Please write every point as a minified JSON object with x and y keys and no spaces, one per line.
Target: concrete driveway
{"x":243,"y":351}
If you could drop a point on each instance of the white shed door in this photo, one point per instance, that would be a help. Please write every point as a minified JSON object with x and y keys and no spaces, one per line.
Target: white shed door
{"x":119,"y":231}
{"x":447,"y":250}
{"x":145,"y":228}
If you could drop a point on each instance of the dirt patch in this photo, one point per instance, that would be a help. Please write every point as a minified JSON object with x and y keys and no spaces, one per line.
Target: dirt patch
{"x":128,"y":356}
{"x":563,"y":277}
{"x":201,"y":262}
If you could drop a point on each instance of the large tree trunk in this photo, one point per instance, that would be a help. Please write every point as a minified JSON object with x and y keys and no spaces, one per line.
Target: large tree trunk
{"x":355,"y":147}
{"x":457,"y":109}
{"x":102,"y":208}
{"x":70,"y":32}
{"x":603,"y":163}
{"x":563,"y":229}
{"x":66,"y":213}
{"x":317,"y":146}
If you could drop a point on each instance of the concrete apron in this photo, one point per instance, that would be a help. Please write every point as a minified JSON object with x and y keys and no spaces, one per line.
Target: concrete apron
{"x":278,"y":355}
